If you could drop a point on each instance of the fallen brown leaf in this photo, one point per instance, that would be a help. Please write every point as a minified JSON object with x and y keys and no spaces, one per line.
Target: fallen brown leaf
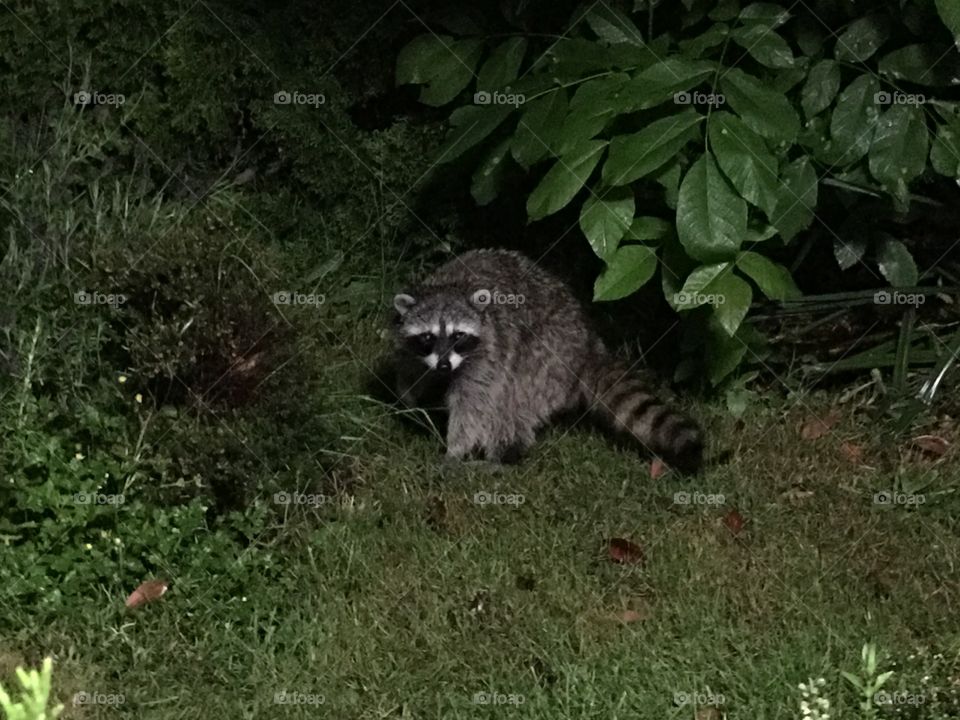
{"x":708,"y":713}
{"x":734,"y":522}
{"x":852,"y":452}
{"x":658,"y":468}
{"x":148,"y":591}
{"x":625,"y":552}
{"x":629,"y":616}
{"x":932,"y":444}
{"x":817,"y":427}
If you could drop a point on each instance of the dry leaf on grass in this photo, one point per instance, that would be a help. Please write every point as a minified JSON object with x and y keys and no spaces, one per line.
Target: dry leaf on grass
{"x":734,"y":522}
{"x":932,"y":444}
{"x":658,"y":468}
{"x":852,"y":452}
{"x":625,"y":552}
{"x":147,"y":591}
{"x":817,"y":427}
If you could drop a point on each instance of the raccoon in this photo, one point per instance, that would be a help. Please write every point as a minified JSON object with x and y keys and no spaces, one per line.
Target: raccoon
{"x":504,"y":347}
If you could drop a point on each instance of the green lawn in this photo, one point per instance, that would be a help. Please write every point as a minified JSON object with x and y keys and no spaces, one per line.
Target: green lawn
{"x":401,"y":596}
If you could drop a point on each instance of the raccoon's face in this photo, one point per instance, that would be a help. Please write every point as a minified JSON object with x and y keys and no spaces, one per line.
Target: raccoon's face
{"x":442,"y":329}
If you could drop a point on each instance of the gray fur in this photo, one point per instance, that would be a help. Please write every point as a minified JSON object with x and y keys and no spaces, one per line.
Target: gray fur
{"x":532,"y":360}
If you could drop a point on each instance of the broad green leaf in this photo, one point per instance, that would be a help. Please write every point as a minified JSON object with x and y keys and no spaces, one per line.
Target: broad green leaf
{"x":764,"y":111}
{"x":821,"y":88}
{"x":798,"y":199}
{"x":663,"y":81}
{"x":862,"y":39}
{"x":648,"y":227}
{"x":723,"y":352}
{"x":488,"y":176}
{"x":574,"y":58}
{"x":605,"y":220}
{"x":757,"y":234}
{"x":565,"y":179}
{"x":849,"y":250}
{"x":764,"y":46}
{"x":701,"y":286}
{"x":896,"y":263}
{"x":945,"y":154}
{"x":733,"y":301}
{"x":502,"y":66}
{"x":725,"y":10}
{"x":591,"y":108}
{"x":787,"y":79}
{"x":950,"y":14}
{"x":810,"y":35}
{"x":745,"y":160}
{"x":855,"y":118}
{"x":669,"y":177}
{"x":612,"y":26}
{"x":711,"y":217}
{"x":675,"y":266}
{"x":538,"y":130}
{"x":470,"y":125}
{"x":930,"y":64}
{"x":773,"y":279}
{"x":767,"y":14}
{"x":580,"y":125}
{"x":630,"y":268}
{"x":443,"y":66}
{"x":712,"y":38}
{"x":639,"y":154}
{"x":899,"y":150}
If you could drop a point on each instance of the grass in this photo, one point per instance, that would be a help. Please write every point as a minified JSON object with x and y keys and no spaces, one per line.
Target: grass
{"x":400,"y":596}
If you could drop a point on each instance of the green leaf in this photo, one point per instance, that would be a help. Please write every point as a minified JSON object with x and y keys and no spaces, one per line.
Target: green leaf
{"x":565,"y":179}
{"x":612,"y":26}
{"x":945,"y":154}
{"x":639,"y":154}
{"x":538,"y":130}
{"x":764,"y":111}
{"x":798,"y":199}
{"x":734,"y":298}
{"x":745,"y":160}
{"x":724,"y":353}
{"x":470,"y":125}
{"x":663,"y":81}
{"x":591,"y":108}
{"x":862,"y":39}
{"x":899,"y":150}
{"x":605,"y":220}
{"x":712,"y":38}
{"x":502,"y":66}
{"x":767,"y":14}
{"x":700,"y":287}
{"x":630,"y":268}
{"x":896,"y":263}
{"x":950,"y":14}
{"x":669,"y":178}
{"x":821,"y":88}
{"x":930,"y":64}
{"x":764,"y":46}
{"x":648,"y":227}
{"x":855,"y":118}
{"x":711,"y":217}
{"x":488,"y":176}
{"x":725,"y":10}
{"x":849,"y":250}
{"x":773,"y":279}
{"x":444,"y":66}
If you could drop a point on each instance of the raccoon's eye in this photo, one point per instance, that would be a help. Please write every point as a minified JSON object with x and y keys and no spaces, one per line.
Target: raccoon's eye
{"x":422,"y":344}
{"x":457,"y":336}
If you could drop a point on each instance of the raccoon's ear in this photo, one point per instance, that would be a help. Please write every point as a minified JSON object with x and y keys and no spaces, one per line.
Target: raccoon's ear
{"x":403,"y":302}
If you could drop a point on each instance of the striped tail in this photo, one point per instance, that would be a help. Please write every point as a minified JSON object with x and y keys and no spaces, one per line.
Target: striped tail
{"x":622,"y":401}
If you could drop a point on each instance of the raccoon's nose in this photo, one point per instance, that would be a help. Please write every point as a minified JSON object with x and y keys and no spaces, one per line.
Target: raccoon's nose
{"x":443,"y":364}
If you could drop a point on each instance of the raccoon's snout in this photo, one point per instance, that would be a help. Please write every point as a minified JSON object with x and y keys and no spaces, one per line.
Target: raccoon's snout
{"x":443,"y":364}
